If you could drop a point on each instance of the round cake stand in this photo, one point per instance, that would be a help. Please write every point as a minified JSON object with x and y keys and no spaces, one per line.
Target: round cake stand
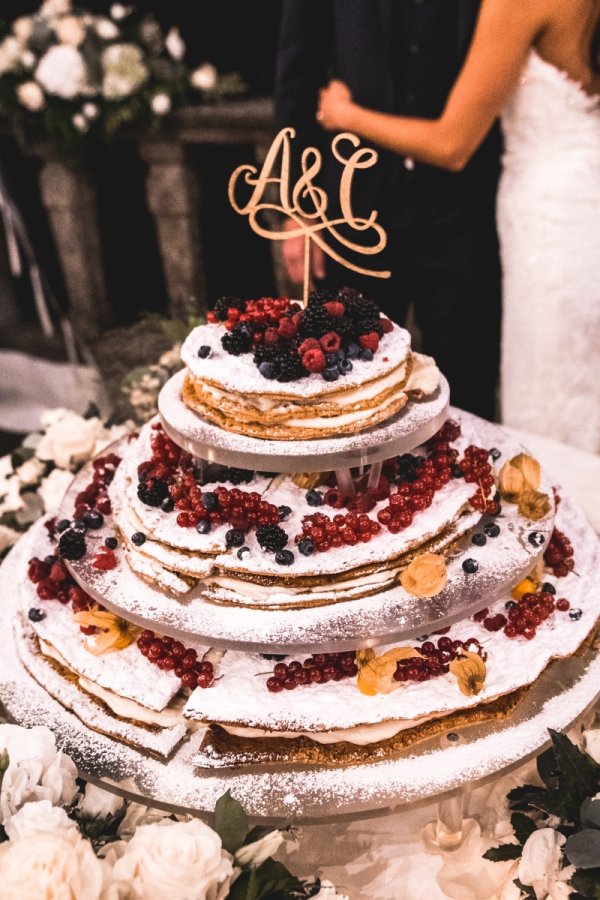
{"x":434,"y":769}
{"x":413,"y":425}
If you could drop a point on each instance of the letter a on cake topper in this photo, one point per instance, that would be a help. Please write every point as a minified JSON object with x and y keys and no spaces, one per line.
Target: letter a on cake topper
{"x":306,"y":204}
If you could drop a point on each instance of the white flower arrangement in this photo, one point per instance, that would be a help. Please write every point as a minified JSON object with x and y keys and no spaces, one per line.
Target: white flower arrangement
{"x":93,"y":845}
{"x":62,"y":62}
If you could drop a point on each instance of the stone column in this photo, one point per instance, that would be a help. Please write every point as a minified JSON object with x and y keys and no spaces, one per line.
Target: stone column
{"x":69,"y":196}
{"x":173,"y":195}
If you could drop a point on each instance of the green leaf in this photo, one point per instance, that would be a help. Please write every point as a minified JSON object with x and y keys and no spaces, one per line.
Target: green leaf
{"x":589,"y":814}
{"x":231,"y":822}
{"x":504,"y":852}
{"x":523,"y":826}
{"x":547,"y":769}
{"x":587,"y":883}
{"x":528,"y":891}
{"x":526,"y":797}
{"x":578,"y":776}
{"x":583,"y":849}
{"x":258,"y":832}
{"x":275,"y":882}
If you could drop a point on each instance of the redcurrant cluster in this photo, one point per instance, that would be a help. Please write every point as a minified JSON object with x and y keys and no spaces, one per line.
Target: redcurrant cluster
{"x":240,"y":509}
{"x":94,"y":496}
{"x":364,"y":497}
{"x":53,"y":582}
{"x":262,"y":315}
{"x":558,"y":555}
{"x":530,"y":611}
{"x":343,"y":530}
{"x":171,"y":655}
{"x":477,"y":470}
{"x":166,"y":457}
{"x":435,"y":659}
{"x":317,"y":669}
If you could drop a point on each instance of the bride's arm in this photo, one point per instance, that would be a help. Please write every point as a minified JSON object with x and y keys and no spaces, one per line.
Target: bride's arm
{"x":506,"y":31}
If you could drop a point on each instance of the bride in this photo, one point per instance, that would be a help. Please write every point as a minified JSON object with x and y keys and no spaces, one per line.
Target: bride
{"x":538,"y":65}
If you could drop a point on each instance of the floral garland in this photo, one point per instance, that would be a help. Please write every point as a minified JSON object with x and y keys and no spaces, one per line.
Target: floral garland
{"x":62,"y":837}
{"x":68,"y":74}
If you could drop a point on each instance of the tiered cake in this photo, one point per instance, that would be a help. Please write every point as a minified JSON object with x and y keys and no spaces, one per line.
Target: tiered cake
{"x":399,"y":574}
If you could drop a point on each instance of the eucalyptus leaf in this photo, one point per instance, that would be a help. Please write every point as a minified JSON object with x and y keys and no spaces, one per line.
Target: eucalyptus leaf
{"x":231,"y":822}
{"x":587,"y":883}
{"x":589,"y":814}
{"x":583,"y":849}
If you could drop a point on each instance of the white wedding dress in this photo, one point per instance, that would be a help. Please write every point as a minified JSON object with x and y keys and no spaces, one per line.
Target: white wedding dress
{"x":549,"y":226}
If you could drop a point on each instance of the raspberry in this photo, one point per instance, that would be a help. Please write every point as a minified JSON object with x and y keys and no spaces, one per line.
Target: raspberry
{"x":314,"y":360}
{"x":308,"y":344}
{"x":335,"y":309}
{"x":386,"y":325}
{"x":271,"y":336}
{"x":330,"y":342}
{"x":287,"y":329}
{"x":369,"y":341}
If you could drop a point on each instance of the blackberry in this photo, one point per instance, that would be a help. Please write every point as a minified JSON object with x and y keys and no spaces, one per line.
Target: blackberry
{"x":72,"y":545}
{"x":347,"y":330}
{"x":238,"y":340}
{"x":372,"y":324}
{"x":347,"y":294}
{"x":238,"y":476}
{"x":289,"y":368}
{"x":271,"y":537}
{"x":153,"y":491}
{"x":224,"y":304}
{"x":361,"y":309}
{"x":316,"y":321}
{"x":320,"y":297}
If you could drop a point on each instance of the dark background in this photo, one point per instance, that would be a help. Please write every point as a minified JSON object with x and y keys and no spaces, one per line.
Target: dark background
{"x":234,"y":35}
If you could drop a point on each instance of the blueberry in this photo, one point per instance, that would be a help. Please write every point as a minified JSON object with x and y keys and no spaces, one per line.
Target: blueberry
{"x":111,"y":542}
{"x":94,"y":519}
{"x":495,"y":453}
{"x":204,"y":351}
{"x":340,"y":355}
{"x":284,"y":557}
{"x":498,"y":509}
{"x":276,"y":657}
{"x":575,"y":614}
{"x":352,"y":351}
{"x":242,"y":552}
{"x":345,"y":366}
{"x":267,"y":370}
{"x":548,"y":588}
{"x":510,"y":605}
{"x":366,"y":355}
{"x":62,"y":525}
{"x":234,"y":537}
{"x":314,"y":498}
{"x":470,"y":566}
{"x":79,"y":525}
{"x":536,"y":538}
{"x":452,"y":737}
{"x":331,"y":374}
{"x":203,"y":526}
{"x":138,"y":538}
{"x":210,"y":501}
{"x":457,"y":472}
{"x":479,"y":539}
{"x":50,"y":559}
{"x":331,"y":359}
{"x":36,"y":615}
{"x":284,"y":513}
{"x":168,"y":504}
{"x":306,"y":547}
{"x":492,"y":529}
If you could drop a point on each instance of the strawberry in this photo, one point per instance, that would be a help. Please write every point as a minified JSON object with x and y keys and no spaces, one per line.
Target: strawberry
{"x":330,"y":342}
{"x":386,"y":325}
{"x":308,"y":344}
{"x":369,"y":341}
{"x":335,"y":309}
{"x":314,"y":360}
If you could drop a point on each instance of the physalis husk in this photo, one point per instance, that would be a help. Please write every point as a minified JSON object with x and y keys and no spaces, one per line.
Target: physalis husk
{"x":116,"y":633}
{"x":376,"y":673}
{"x":518,"y":482}
{"x":469,"y":669}
{"x":425,"y":576}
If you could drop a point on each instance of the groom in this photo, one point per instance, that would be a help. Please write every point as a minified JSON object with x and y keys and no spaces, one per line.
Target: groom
{"x":402,"y":56}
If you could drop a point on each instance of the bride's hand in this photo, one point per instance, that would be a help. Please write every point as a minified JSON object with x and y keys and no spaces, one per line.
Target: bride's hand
{"x":335,"y":102}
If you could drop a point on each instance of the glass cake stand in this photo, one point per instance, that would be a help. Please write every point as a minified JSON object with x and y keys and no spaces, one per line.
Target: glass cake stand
{"x":436,"y":769}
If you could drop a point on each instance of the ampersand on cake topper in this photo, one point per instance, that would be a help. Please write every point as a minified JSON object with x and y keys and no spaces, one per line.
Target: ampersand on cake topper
{"x":306,"y":204}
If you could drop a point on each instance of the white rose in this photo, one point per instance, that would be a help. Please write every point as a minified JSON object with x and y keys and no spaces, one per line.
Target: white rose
{"x":204,"y":78}
{"x":124,"y":70}
{"x":28,"y":59}
{"x":256,"y":853}
{"x":80,"y":122}
{"x":90,"y":111}
{"x":22,"y":28}
{"x":53,"y":865}
{"x":137,"y":815}
{"x":8,"y":538}
{"x":31,"y":471}
{"x":38,"y":816}
{"x":36,"y":769}
{"x":69,"y":30}
{"x":51,"y":416}
{"x":61,"y":71}
{"x":99,"y":803}
{"x":328,"y":892}
{"x":540,"y":865}
{"x":106,"y":29}
{"x":119,"y":12}
{"x":53,"y":488}
{"x":10,"y":494}
{"x":70,"y":439}
{"x":161,"y":104}
{"x":175,"y":44}
{"x":174,"y":859}
{"x":110,"y":435}
{"x":10,"y":53}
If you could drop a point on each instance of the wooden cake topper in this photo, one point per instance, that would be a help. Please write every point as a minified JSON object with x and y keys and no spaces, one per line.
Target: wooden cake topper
{"x":306,"y":204}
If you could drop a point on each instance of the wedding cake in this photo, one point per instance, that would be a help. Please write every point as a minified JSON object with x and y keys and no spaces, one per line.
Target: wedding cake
{"x":319,"y":616}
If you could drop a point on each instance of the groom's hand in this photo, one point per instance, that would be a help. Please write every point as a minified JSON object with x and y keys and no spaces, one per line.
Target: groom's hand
{"x":293,"y":256}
